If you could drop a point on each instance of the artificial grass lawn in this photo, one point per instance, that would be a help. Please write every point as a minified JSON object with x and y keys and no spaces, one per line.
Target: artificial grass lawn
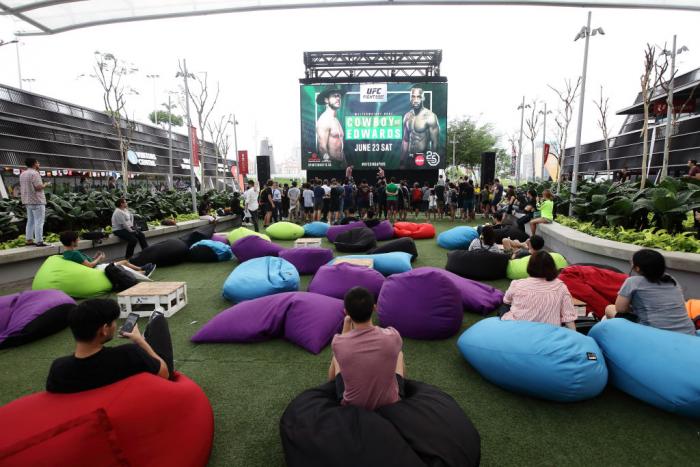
{"x":249,"y":386}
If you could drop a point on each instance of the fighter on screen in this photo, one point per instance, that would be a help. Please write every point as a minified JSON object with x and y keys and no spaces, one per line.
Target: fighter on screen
{"x":329,"y":131}
{"x":421,"y":129}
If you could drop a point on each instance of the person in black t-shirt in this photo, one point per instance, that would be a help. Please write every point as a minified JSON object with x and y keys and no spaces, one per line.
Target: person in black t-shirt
{"x":93,"y":365}
{"x":440,"y":195}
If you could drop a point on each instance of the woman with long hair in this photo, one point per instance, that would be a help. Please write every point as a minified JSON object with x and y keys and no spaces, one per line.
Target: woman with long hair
{"x":487,"y":241}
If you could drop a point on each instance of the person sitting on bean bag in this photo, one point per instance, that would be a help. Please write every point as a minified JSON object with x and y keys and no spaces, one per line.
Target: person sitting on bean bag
{"x":523,"y":249}
{"x":92,"y":365}
{"x":487,"y":241}
{"x":371,"y":222}
{"x":69,"y":239}
{"x":653,"y":296}
{"x":541,"y":297}
{"x":367,"y":364}
{"x":351,"y":217}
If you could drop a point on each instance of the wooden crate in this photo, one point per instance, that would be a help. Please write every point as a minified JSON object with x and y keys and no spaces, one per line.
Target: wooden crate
{"x":146,"y":297}
{"x":367,"y":262}
{"x":579,"y":306}
{"x":307,"y":243}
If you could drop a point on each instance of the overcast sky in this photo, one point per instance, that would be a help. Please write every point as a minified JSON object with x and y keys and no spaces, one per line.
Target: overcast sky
{"x":492,"y":56}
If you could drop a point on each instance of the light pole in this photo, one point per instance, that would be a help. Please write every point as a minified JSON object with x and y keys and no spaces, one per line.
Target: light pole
{"x":170,"y":107}
{"x":235,"y":147}
{"x":521,"y":108}
{"x":155,"y":107}
{"x":29,"y":81}
{"x":184,"y":76}
{"x":669,"y":104}
{"x":544,"y":112}
{"x":585,"y":32}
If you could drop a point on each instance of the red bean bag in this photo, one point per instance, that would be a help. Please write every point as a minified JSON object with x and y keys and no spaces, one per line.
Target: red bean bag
{"x":142,"y":420}
{"x":596,"y":287}
{"x":693,"y":307}
{"x":413,"y":230}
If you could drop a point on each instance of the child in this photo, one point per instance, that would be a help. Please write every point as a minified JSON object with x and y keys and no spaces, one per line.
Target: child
{"x":69,"y":239}
{"x":432,"y":205}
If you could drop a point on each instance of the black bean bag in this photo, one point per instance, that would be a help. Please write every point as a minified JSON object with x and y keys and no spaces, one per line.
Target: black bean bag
{"x":356,"y":240}
{"x":167,"y":253}
{"x":426,"y":428}
{"x":478,"y":265}
{"x":202,"y":254}
{"x":203,"y":233}
{"x":404,"y":244}
{"x":601,"y":266}
{"x":511,"y":232}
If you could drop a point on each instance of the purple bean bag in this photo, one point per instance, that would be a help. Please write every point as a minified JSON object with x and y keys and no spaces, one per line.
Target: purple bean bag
{"x":384,"y":230}
{"x":421,"y":304}
{"x":253,"y":246}
{"x":334,"y":230}
{"x":307,"y":260}
{"x":476,"y":297}
{"x":306,"y":319}
{"x":220,"y":237}
{"x":334,"y":280}
{"x":28,"y":316}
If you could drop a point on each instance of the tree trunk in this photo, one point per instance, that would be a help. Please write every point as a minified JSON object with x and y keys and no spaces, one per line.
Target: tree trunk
{"x":533,"y":159}
{"x":562,"y":157}
{"x":645,"y":146}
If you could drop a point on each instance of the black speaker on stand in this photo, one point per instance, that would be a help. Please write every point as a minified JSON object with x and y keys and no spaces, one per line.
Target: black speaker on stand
{"x":488,"y":167}
{"x":263,"y":163}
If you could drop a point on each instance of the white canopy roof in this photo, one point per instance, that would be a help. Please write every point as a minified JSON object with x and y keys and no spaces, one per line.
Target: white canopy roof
{"x":54,"y":16}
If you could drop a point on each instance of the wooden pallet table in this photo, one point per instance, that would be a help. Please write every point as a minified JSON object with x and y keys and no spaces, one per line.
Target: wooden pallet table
{"x":146,"y":297}
{"x":367,"y":262}
{"x":307,"y":243}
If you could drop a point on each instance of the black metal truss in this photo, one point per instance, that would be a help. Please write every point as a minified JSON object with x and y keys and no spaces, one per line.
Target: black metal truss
{"x":359,"y":64}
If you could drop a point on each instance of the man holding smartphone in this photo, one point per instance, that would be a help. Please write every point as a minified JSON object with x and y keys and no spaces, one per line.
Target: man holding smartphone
{"x":92,"y":365}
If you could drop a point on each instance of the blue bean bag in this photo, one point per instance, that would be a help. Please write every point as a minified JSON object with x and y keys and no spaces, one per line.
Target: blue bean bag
{"x":259,"y":277}
{"x":536,"y":359}
{"x":657,"y":366}
{"x":316,"y":229}
{"x":457,"y":237}
{"x":386,"y":263}
{"x":210,"y":250}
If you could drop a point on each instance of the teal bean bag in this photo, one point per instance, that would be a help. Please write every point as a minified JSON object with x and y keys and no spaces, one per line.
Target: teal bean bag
{"x":205,"y":251}
{"x":387,"y":263}
{"x":74,"y":279}
{"x":457,"y":238}
{"x":285,"y":231}
{"x":316,"y":229}
{"x":237,"y":234}
{"x":260,"y":277}
{"x":517,"y":268}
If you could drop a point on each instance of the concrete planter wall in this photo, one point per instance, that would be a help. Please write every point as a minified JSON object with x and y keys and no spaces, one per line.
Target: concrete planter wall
{"x":20,"y":264}
{"x":578,"y":247}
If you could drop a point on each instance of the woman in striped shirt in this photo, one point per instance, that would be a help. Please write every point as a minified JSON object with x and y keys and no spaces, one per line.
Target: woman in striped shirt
{"x":541,"y":297}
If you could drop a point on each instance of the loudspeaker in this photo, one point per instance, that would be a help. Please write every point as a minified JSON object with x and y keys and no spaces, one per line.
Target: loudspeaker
{"x":263,"y":163}
{"x":488,"y":167}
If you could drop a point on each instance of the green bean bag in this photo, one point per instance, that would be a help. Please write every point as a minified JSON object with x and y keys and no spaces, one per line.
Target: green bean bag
{"x":74,"y":279}
{"x":285,"y":231}
{"x":517,"y":268}
{"x":237,"y":234}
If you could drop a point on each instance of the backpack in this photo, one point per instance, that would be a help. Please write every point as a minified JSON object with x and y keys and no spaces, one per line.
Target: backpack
{"x":417,"y":194}
{"x":120,"y":279}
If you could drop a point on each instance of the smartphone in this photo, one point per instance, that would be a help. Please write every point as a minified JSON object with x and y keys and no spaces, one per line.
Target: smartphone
{"x":129,"y":324}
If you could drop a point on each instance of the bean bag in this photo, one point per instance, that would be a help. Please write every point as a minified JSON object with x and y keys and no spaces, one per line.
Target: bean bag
{"x":657,"y":366}
{"x":478,"y":265}
{"x":74,"y":279}
{"x":306,"y":319}
{"x":386,"y":263}
{"x":206,"y":251}
{"x":536,"y":359}
{"x":336,"y":280}
{"x":259,"y":277}
{"x":426,"y":428}
{"x":254,"y":247}
{"x":316,"y":229}
{"x":600,"y":266}
{"x":29,"y":316}
{"x":355,"y":240}
{"x":220,"y":237}
{"x":237,"y":234}
{"x":166,"y":253}
{"x":285,"y":231}
{"x":596,"y":287}
{"x":307,"y":260}
{"x":511,"y":232}
{"x":336,"y":230}
{"x":203,"y":233}
{"x":476,"y":297}
{"x":413,"y":230}
{"x":384,"y":230}
{"x":517,"y":268}
{"x":404,"y":244}
{"x":457,"y":237}
{"x":421,"y":304}
{"x":141,"y":420}
{"x":693,"y":307}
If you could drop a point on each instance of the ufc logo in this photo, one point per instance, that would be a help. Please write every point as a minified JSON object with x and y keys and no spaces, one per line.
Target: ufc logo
{"x":374,"y":90}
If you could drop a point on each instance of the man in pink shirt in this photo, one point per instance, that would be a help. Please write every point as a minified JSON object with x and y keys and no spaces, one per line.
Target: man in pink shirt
{"x":367,"y":364}
{"x":33,"y":198}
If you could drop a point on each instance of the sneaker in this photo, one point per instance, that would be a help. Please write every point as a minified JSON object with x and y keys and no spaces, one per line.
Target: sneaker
{"x":40,"y":244}
{"x":148,"y":269}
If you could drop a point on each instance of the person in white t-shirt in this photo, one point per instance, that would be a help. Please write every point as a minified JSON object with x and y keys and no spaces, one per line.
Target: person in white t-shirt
{"x":294,"y":193}
{"x":308,"y":195}
{"x":250,"y":199}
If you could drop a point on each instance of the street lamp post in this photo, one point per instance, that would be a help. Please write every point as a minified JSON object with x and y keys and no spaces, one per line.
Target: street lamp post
{"x":235,"y":148}
{"x":544,"y":112}
{"x":585,"y":32}
{"x":193,"y":188}
{"x":669,"y":104}
{"x":155,"y":106}
{"x":522,"y":108}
